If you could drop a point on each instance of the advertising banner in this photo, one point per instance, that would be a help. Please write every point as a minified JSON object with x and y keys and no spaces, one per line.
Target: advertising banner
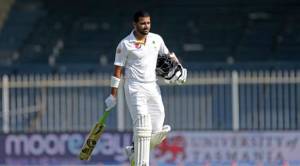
{"x":57,"y":148}
{"x":180,"y":149}
{"x":230,"y":148}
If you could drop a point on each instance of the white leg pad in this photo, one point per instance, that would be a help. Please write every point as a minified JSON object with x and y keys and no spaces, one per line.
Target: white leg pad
{"x":142,"y":132}
{"x":158,"y":137}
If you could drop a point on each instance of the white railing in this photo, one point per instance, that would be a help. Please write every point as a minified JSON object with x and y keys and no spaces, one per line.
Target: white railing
{"x":210,"y":100}
{"x":52,"y":102}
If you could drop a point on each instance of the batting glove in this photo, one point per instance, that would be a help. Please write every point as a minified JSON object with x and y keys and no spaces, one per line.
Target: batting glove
{"x":110,"y":102}
{"x":179,"y":77}
{"x":182,"y":78}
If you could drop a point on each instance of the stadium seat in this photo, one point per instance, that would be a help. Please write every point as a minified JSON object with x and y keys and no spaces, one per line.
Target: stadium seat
{"x":218,"y":30}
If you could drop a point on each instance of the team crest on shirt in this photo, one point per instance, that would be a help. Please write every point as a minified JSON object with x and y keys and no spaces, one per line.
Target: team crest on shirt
{"x":153,"y":42}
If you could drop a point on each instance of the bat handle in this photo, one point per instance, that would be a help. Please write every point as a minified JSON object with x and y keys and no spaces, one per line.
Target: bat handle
{"x":105,"y":115}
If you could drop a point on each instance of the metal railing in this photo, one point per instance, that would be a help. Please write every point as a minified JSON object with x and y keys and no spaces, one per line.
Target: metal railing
{"x":210,"y":100}
{"x":63,"y":102}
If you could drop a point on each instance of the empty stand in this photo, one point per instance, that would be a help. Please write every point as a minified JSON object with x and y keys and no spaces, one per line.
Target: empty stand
{"x":198,"y":31}
{"x":18,"y":26}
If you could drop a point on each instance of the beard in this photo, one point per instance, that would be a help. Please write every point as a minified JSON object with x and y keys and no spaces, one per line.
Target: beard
{"x":143,"y":31}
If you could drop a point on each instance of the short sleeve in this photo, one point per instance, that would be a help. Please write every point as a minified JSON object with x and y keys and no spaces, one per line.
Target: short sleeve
{"x":121,"y":55}
{"x":163,"y":48}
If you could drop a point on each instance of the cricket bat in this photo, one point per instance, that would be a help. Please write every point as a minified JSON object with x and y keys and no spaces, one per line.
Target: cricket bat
{"x":93,"y":137}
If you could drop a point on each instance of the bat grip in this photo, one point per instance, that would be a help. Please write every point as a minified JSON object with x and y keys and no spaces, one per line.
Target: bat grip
{"x":103,"y":118}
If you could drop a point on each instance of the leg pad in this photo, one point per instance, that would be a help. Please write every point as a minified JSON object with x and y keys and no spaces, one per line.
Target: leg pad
{"x":142,"y":136}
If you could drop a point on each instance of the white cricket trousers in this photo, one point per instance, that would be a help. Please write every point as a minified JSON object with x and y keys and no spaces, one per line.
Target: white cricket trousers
{"x":145,"y":98}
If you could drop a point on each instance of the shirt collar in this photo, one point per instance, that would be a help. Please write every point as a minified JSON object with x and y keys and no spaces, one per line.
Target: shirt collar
{"x":132,"y":38}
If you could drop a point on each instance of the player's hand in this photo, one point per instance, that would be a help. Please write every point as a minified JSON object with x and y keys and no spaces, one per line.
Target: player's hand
{"x":179,"y":77}
{"x":110,"y":102}
{"x":182,"y":78}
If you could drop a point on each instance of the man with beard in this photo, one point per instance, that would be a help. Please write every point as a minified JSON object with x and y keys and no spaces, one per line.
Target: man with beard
{"x":137,"y":54}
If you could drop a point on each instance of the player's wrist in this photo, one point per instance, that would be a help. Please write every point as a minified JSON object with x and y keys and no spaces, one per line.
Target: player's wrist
{"x":114,"y":82}
{"x":114,"y":92}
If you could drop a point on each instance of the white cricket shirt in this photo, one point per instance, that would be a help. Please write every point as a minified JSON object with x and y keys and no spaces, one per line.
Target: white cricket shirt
{"x":139,"y":60}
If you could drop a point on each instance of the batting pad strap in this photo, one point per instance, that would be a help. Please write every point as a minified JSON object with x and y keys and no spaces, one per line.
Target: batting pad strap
{"x":114,"y":82}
